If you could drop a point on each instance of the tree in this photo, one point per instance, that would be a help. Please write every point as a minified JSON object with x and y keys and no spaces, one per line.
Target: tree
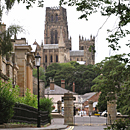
{"x":72,"y":71}
{"x":41,"y":73}
{"x":5,"y":38}
{"x":118,"y":8}
{"x":114,"y":77}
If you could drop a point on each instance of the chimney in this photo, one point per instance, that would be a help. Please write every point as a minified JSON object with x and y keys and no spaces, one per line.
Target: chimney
{"x":73,"y":87}
{"x":51,"y":84}
{"x":62,"y":83}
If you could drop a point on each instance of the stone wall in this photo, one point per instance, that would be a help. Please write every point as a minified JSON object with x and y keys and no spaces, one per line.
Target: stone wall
{"x":41,"y":86}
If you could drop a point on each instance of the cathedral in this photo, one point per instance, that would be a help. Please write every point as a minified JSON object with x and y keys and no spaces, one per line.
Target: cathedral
{"x":57,"y":46}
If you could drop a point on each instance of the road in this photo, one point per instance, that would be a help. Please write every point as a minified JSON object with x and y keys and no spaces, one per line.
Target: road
{"x":85,"y":123}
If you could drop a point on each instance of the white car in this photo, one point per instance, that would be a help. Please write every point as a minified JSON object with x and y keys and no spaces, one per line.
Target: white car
{"x":105,"y":113}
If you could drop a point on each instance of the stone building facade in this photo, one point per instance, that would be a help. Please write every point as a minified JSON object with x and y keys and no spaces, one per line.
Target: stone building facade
{"x":18,"y":65}
{"x":57,"y":46}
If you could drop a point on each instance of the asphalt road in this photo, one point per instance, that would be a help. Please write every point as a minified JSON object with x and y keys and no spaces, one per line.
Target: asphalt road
{"x":90,"y":120}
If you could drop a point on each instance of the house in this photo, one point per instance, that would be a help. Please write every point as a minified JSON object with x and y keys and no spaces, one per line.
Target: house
{"x":57,"y":92}
{"x":93,"y":96}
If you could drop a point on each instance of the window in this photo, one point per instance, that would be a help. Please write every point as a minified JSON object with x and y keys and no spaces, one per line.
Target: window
{"x":82,"y":48}
{"x":81,"y":59}
{"x":51,"y":36}
{"x":45,"y":58}
{"x":56,"y":40}
{"x":56,"y":58}
{"x":56,"y":17}
{"x":77,"y":59}
{"x":51,"y":18}
{"x":51,"y":59}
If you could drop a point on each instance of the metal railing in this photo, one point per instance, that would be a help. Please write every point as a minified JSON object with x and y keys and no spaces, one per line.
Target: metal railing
{"x":27,"y":114}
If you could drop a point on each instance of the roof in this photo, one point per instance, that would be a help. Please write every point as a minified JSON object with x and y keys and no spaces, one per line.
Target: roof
{"x":58,"y":91}
{"x":77,"y":53}
{"x":50,"y":46}
{"x":88,"y":96}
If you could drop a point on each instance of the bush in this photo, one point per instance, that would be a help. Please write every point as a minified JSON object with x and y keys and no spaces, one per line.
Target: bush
{"x":29,"y":99}
{"x":8,"y":97}
{"x":46,"y":105}
{"x":119,"y":125}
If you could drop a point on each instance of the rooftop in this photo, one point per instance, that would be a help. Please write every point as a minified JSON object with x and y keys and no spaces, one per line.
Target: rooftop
{"x":77,"y":53}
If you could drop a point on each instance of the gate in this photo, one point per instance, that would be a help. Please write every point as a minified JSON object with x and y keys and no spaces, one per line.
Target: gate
{"x":84,"y":118}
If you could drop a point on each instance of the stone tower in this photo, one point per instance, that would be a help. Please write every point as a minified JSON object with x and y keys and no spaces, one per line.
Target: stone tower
{"x":56,"y":19}
{"x":89,"y":56}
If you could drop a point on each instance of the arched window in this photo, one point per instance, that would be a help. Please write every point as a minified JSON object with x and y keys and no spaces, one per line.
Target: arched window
{"x":56,"y":58}
{"x":45,"y":58}
{"x":51,"y":59}
{"x":82,"y":48}
{"x":51,"y":36}
{"x":56,"y":40}
{"x":56,"y":17}
{"x":51,"y":18}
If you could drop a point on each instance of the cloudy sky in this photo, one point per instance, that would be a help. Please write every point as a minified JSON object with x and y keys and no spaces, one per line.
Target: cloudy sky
{"x":33,"y":20}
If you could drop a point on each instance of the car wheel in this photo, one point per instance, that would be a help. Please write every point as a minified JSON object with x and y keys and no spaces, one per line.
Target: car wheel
{"x":105,"y":115}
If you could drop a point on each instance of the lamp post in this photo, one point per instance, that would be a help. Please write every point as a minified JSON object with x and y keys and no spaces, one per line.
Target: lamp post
{"x":37,"y":64}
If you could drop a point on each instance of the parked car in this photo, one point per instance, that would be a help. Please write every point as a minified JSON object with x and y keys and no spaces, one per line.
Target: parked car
{"x":81,"y":113}
{"x":105,"y":113}
{"x":55,"y":110}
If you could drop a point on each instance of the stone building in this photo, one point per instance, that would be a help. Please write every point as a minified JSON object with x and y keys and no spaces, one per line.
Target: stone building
{"x":18,"y":65}
{"x":57,"y":46}
{"x":25,"y":61}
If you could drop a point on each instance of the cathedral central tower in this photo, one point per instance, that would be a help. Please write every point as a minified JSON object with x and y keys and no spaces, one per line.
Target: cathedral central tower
{"x":56,"y":19}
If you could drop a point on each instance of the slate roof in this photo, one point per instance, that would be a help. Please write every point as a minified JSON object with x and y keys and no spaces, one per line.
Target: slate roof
{"x":77,"y":53}
{"x":86,"y":96}
{"x":58,"y":91}
{"x":50,"y":46}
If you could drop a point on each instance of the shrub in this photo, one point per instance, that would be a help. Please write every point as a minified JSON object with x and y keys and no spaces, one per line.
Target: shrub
{"x":119,"y":125}
{"x":29,"y":99}
{"x":46,"y":105}
{"x":8,"y":97}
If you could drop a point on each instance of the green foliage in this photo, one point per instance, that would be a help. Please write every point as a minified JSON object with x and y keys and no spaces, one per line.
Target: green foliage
{"x":5,"y":38}
{"x":102,"y":102}
{"x":8,"y":97}
{"x":119,"y":125}
{"x":29,"y":99}
{"x":117,"y":8}
{"x":46,"y":104}
{"x":41,"y":73}
{"x":72,"y":71}
{"x":114,"y":77}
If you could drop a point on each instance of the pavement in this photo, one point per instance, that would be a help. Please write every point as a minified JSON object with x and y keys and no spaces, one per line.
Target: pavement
{"x":56,"y":124}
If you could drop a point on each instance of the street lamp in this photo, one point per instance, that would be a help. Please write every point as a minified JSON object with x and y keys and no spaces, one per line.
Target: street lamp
{"x":37,"y":64}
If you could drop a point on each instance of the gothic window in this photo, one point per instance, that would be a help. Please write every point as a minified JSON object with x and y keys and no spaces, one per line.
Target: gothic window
{"x":51,"y":36}
{"x":51,"y":59}
{"x":46,"y":58}
{"x":56,"y":40}
{"x":51,"y":18}
{"x":56,"y":17}
{"x":82,"y":48}
{"x":56,"y":58}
